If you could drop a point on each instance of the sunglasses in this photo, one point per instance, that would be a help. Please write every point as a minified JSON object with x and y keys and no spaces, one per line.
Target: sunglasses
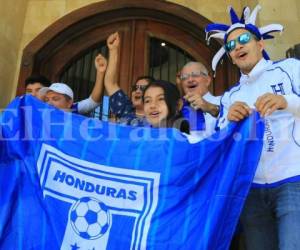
{"x":184,"y":77}
{"x":241,"y":39}
{"x":139,"y":87}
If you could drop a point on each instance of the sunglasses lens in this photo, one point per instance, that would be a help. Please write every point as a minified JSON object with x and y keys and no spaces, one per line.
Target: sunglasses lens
{"x":143,"y":87}
{"x":244,"y":38}
{"x":139,"y":87}
{"x":230,"y":45}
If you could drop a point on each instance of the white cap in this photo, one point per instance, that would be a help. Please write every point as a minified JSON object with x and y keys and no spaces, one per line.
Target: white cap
{"x":60,"y":88}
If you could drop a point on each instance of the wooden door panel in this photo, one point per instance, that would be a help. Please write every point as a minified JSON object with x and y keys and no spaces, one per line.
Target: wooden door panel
{"x":125,"y":58}
{"x":140,"y":49}
{"x":181,"y":39}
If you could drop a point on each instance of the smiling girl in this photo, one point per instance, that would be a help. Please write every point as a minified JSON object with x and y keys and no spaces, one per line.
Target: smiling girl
{"x":162,"y":105}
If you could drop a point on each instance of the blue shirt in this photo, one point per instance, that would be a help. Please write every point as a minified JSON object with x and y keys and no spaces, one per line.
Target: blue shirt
{"x":122,"y":107}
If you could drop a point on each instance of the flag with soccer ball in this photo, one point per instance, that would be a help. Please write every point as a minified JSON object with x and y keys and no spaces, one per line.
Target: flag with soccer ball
{"x":71,"y":182}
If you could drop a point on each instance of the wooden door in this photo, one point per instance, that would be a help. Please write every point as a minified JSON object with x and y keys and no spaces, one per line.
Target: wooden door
{"x":65,"y":51}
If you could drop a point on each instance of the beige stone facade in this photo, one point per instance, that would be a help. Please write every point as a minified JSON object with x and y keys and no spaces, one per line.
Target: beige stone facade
{"x":23,"y":20}
{"x":11,"y":32}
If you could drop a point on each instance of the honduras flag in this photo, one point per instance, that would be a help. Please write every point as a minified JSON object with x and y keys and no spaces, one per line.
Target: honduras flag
{"x":71,"y":182}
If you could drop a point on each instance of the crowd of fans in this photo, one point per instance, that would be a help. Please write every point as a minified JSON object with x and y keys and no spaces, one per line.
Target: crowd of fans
{"x":154,"y":102}
{"x":271,"y":215}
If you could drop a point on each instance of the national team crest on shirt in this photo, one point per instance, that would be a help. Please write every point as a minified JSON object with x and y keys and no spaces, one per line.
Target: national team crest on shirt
{"x":96,"y":201}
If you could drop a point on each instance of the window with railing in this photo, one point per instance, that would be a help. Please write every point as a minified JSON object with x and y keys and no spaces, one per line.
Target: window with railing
{"x":166,"y":59}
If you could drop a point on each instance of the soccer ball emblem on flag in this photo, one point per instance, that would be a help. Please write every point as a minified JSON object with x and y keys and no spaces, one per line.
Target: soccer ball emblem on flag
{"x":89,"y":218}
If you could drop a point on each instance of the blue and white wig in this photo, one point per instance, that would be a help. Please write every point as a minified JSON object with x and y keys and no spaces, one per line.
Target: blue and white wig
{"x":247,"y":21}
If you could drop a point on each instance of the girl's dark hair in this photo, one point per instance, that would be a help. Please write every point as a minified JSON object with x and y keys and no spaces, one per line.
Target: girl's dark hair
{"x":172,"y":98}
{"x":147,"y":78}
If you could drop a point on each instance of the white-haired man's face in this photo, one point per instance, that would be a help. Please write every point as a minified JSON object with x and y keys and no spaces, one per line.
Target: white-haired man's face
{"x":195,"y":79}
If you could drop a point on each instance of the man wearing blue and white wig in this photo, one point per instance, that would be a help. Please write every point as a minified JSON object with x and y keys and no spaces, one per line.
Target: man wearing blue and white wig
{"x":271,"y":216}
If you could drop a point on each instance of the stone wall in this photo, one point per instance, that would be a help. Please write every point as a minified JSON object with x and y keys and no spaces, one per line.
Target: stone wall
{"x":11,"y":32}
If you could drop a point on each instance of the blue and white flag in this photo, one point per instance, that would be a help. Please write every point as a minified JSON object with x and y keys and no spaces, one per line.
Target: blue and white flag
{"x":71,"y":182}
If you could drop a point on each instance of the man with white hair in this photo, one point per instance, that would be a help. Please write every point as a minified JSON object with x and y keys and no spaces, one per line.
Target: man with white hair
{"x":200,"y":108}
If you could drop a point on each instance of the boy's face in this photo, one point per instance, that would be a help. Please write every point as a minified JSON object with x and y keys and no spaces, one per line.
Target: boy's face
{"x":33,"y":89}
{"x":247,"y":55}
{"x":58,"y":100}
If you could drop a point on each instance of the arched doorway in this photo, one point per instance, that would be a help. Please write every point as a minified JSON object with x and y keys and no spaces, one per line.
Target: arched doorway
{"x":80,"y":33}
